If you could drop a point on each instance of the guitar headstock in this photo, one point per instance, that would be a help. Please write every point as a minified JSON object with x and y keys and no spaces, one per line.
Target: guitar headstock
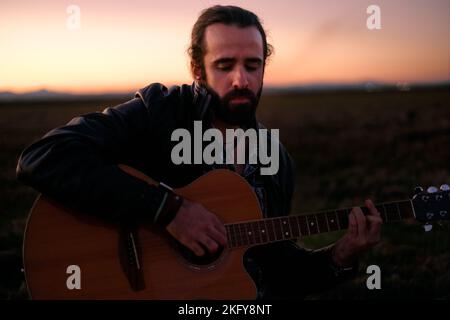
{"x":432,"y":204}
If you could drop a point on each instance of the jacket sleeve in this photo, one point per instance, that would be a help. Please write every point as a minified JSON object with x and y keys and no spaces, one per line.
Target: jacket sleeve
{"x":76,"y":165}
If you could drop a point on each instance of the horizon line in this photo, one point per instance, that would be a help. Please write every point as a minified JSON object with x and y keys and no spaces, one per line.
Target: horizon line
{"x":306,"y":85}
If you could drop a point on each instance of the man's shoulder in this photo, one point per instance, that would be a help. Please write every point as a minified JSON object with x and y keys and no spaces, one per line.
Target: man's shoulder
{"x":157,"y":93}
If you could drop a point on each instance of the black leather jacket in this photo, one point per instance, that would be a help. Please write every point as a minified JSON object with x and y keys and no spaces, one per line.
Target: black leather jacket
{"x":76,"y":164}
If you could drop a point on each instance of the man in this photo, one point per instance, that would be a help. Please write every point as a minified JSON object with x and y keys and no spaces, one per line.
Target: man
{"x":77,"y":163}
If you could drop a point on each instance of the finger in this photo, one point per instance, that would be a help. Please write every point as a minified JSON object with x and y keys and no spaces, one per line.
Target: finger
{"x":220,"y":226}
{"x":372,"y":209}
{"x":374,"y":226}
{"x":196,"y":248}
{"x":217,"y":235}
{"x":374,"y":220}
{"x":210,"y":244}
{"x":360,"y":222}
{"x":352,"y":226}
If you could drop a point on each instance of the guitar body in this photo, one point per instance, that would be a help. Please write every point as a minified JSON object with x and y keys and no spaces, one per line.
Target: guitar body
{"x":56,"y":238}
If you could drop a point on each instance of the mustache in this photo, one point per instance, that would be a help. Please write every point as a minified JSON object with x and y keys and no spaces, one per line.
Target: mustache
{"x":239,"y":93}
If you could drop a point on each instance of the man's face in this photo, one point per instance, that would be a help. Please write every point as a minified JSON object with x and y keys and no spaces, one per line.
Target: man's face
{"x":234,"y":68}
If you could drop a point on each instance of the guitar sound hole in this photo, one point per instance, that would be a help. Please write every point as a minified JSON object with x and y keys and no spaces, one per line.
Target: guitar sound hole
{"x":204,"y":260}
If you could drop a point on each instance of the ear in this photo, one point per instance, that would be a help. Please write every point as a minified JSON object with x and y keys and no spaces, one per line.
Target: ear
{"x":196,"y":71}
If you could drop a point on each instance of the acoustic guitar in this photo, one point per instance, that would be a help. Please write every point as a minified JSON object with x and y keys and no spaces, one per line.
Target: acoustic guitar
{"x":71,"y":255}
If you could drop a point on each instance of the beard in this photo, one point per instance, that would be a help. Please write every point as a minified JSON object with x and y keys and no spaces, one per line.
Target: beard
{"x":235,"y":113}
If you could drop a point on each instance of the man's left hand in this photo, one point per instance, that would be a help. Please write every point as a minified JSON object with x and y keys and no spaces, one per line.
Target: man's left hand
{"x":363,"y":233}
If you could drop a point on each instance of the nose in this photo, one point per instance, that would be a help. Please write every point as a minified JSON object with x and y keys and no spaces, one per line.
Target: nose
{"x":240,"y":80}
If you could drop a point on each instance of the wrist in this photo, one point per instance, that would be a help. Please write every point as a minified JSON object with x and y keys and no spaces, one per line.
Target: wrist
{"x":340,"y":267}
{"x":341,"y":261}
{"x":169,"y":208}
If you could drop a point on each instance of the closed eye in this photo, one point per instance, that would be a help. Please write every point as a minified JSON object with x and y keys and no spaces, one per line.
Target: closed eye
{"x":224,"y":64}
{"x":253,"y":65}
{"x":251,"y":68}
{"x":225,"y":67}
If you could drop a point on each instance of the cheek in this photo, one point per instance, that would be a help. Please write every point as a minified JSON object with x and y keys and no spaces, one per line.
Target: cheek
{"x":256,"y":81}
{"x":218,"y":81}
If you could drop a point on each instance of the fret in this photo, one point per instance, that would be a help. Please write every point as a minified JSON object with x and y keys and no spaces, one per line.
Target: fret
{"x":312,"y":224}
{"x":243,"y":233}
{"x":278,"y":229}
{"x":282,"y":227}
{"x":248,"y":228}
{"x":322,"y":223}
{"x":288,"y":221}
{"x":237,"y":236}
{"x":285,"y":228}
{"x":326,"y":220}
{"x":270,"y":229}
{"x":257,"y":231}
{"x":332,"y":221}
{"x":297,"y":220}
{"x":294,"y":227}
{"x":233,"y":242}
{"x":248,"y":232}
{"x":255,"y":234}
{"x":258,"y":235}
{"x":263,"y":230}
{"x":230,"y":237}
{"x":391,"y":211}
{"x":343,"y":218}
{"x":337,"y":220}
{"x":398,"y":211}
{"x":304,"y":229}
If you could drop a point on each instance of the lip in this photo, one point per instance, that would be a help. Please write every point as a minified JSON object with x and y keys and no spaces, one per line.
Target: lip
{"x":240,"y":100}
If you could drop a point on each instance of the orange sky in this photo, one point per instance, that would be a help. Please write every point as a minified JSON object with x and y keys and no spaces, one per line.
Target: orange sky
{"x":124,"y":45}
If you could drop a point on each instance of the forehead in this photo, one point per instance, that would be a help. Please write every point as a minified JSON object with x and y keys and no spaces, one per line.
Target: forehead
{"x":230,"y":40}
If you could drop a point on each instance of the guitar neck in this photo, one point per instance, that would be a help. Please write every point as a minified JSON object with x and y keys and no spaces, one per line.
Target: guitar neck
{"x":297,"y":226}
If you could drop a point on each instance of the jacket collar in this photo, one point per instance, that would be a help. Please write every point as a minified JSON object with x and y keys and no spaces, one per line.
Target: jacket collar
{"x":201,"y":100}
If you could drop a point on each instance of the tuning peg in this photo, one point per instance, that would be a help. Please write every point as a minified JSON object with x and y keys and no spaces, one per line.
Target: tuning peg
{"x":432,"y":189}
{"x":445,"y":187}
{"x":418,"y":189}
{"x":427,"y":227}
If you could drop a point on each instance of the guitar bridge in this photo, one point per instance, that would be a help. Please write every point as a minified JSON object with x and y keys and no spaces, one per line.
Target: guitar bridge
{"x":129,"y":253}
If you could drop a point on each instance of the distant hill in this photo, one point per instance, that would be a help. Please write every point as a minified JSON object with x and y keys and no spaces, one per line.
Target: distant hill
{"x":369,"y":86}
{"x":46,"y":95}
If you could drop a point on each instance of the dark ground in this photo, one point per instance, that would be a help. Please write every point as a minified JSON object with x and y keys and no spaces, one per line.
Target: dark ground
{"x":347,"y":146}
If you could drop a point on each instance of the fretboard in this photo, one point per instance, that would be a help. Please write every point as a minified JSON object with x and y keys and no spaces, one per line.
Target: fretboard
{"x":297,"y":226}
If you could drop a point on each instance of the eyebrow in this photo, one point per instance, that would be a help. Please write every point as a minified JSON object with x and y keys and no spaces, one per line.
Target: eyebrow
{"x":232,"y":60}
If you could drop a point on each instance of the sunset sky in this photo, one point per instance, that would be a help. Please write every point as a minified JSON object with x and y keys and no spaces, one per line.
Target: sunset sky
{"x":125,"y":45}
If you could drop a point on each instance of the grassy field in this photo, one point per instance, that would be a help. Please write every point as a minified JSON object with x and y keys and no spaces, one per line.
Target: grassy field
{"x":347,"y":146}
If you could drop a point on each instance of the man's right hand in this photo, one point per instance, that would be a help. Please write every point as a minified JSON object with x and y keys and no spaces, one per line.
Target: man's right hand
{"x":197,"y":228}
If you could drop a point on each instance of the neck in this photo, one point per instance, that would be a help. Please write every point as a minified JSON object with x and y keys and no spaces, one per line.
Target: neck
{"x":296,"y":226}
{"x":222,"y":125}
